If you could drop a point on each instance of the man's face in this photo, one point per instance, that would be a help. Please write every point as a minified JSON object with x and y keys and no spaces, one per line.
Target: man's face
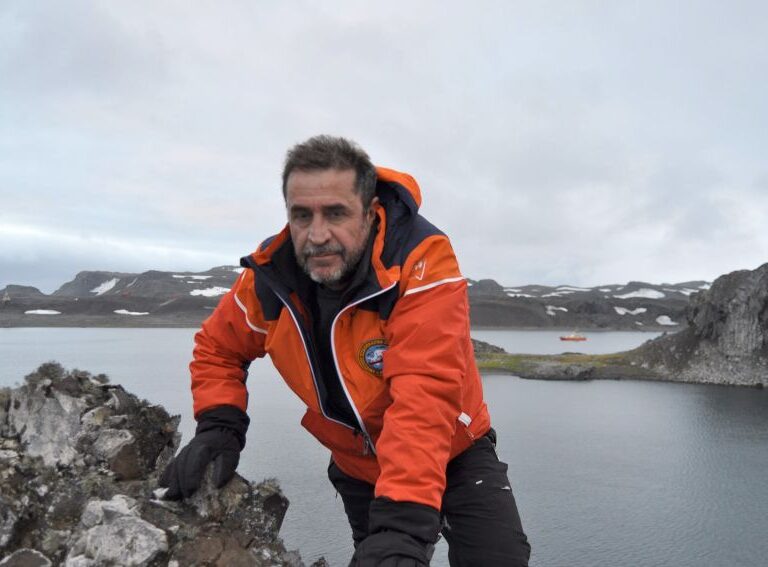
{"x":328,"y":225}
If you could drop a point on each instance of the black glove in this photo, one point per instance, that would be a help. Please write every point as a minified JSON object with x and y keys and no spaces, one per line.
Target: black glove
{"x":402,"y":534}
{"x":219,"y":437}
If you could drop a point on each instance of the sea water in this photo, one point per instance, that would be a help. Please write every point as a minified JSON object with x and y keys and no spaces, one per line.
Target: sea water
{"x":606,"y":473}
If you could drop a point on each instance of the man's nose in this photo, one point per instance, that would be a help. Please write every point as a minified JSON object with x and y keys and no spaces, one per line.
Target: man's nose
{"x":318,"y":230}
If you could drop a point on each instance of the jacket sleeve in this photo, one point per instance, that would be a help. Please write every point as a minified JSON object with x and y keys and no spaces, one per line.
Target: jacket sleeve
{"x":424,"y":366}
{"x":228,"y":341}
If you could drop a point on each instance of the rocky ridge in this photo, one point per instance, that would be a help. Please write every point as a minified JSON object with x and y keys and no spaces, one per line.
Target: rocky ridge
{"x":167,"y":299}
{"x":79,"y":459}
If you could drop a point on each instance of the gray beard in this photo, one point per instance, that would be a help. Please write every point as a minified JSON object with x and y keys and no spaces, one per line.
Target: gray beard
{"x":349,"y":261}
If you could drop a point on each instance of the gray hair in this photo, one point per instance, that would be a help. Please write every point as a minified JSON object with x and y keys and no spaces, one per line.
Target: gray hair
{"x":329,"y":152}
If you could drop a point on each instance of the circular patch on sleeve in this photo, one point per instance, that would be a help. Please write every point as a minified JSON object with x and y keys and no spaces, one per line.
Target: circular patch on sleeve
{"x":371,"y":356}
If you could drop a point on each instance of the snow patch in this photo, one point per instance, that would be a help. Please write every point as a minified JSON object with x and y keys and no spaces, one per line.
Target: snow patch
{"x":105,"y":287}
{"x":557,"y":293}
{"x":178,"y":276}
{"x":572,"y":288}
{"x":210,"y":292}
{"x":665,"y":320}
{"x":551,"y":310}
{"x":705,"y":286}
{"x":42,"y":312}
{"x":126,"y":312}
{"x":605,"y":289}
{"x":519,"y":295}
{"x":625,"y":311}
{"x":133,"y":282}
{"x":513,"y":289}
{"x":684,"y":290}
{"x":240,"y":271}
{"x":644,"y":293}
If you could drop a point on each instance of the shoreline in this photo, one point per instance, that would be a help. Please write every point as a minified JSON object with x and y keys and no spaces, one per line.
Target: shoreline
{"x":579,"y":367}
{"x":638,"y":378}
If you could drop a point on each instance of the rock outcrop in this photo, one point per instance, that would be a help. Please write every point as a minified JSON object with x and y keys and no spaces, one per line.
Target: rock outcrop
{"x":481,"y":347}
{"x":79,"y":459}
{"x":726,"y":341}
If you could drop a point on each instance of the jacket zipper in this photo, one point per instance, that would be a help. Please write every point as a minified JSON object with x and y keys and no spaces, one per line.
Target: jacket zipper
{"x":368,"y":447}
{"x":367,"y":442}
{"x":303,"y":344}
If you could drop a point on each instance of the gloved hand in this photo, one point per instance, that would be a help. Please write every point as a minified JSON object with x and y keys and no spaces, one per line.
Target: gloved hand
{"x":402,"y":534}
{"x":391,"y":549}
{"x":219,"y":438}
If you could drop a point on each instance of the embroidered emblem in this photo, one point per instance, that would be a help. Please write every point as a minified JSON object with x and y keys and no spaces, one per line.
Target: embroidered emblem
{"x":371,"y":356}
{"x":418,"y":269}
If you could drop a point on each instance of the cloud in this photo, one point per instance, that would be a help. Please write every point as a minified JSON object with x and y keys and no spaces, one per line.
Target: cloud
{"x":582,"y":144}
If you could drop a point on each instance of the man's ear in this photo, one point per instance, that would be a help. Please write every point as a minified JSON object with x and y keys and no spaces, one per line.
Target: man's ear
{"x":371,"y":212}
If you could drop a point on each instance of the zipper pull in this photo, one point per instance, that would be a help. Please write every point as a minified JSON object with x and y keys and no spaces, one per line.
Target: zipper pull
{"x":367,"y":445}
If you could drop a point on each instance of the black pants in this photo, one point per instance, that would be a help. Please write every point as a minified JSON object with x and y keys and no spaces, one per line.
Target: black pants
{"x":480,"y":519}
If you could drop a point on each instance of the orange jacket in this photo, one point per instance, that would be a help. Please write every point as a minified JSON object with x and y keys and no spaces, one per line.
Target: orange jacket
{"x":401,"y":348}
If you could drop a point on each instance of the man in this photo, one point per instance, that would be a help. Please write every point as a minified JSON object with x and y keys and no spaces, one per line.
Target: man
{"x":361,"y":306}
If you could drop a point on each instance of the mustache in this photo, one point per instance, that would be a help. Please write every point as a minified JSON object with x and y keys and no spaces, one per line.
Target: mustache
{"x":311,"y":250}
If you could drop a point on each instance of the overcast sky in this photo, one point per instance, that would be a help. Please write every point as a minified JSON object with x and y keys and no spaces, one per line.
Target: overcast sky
{"x":567,"y":142}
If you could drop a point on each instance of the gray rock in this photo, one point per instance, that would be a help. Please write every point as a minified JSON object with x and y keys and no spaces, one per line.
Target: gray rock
{"x":48,"y":424}
{"x":100,"y":511}
{"x":116,"y":535}
{"x":8,"y":519}
{"x":26,"y":558}
{"x":110,"y":442}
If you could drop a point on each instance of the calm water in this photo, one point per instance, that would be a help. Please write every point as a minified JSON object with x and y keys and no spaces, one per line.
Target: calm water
{"x":605,"y":473}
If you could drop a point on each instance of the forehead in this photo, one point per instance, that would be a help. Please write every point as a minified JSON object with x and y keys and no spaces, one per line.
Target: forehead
{"x":323,"y":186}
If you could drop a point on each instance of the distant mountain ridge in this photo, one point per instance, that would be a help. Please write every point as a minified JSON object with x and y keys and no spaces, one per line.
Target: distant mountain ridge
{"x":118,"y":299}
{"x":156,"y":298}
{"x":635,"y":305}
{"x":151,"y":284}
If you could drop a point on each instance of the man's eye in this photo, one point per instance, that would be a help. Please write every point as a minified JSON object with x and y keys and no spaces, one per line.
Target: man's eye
{"x":300,"y":216}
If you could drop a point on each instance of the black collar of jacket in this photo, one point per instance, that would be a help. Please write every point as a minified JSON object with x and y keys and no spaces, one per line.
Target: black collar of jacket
{"x":284,"y":267}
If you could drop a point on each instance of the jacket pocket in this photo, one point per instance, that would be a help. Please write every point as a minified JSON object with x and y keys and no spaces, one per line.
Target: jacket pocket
{"x":334,"y":436}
